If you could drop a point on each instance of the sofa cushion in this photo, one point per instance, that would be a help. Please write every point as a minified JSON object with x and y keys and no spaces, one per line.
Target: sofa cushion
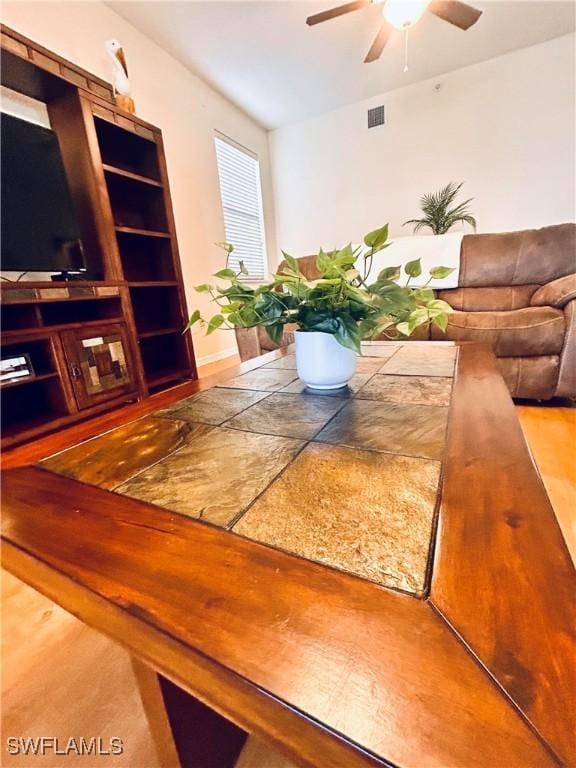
{"x":518,"y":258}
{"x":555,"y":294}
{"x":501,"y":297}
{"x":266,"y":343}
{"x":522,"y":332}
{"x":531,"y":377}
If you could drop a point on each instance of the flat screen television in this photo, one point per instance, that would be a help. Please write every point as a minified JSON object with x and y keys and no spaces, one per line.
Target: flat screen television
{"x":40,"y":231}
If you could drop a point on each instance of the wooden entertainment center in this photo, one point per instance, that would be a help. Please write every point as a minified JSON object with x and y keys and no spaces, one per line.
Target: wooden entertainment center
{"x":95,"y":344}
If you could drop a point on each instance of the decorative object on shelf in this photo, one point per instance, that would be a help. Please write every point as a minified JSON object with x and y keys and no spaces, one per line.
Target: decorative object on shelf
{"x":438,"y":215}
{"x":340,"y":307}
{"x":16,"y":368}
{"x":120,"y":81}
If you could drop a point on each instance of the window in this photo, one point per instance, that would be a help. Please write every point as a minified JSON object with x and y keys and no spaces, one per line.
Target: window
{"x":239,"y":173}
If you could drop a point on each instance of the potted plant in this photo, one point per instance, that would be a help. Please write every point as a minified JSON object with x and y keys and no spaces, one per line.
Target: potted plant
{"x":438,"y":215}
{"x":332,"y":313}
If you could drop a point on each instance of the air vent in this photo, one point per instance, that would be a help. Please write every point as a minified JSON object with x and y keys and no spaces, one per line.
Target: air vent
{"x":376,"y":117}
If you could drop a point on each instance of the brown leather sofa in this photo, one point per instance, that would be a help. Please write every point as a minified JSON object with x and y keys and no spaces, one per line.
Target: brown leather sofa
{"x":517,"y":292}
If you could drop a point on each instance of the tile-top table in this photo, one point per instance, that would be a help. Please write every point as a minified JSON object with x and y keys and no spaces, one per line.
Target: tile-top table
{"x":367,"y":576}
{"x":348,"y":478}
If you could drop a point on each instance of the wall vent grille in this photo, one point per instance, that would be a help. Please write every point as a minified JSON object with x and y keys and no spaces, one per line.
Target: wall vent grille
{"x":376,"y":117}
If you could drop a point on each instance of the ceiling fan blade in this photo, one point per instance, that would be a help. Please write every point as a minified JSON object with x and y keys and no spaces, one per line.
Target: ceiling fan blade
{"x":455,"y":12}
{"x":333,"y":13}
{"x":378,"y":45}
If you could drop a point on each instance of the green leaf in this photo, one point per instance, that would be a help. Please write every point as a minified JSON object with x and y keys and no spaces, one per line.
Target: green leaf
{"x":441,"y":321}
{"x":203,"y":288}
{"x":225,"y":274}
{"x":348,"y":332}
{"x":404,"y":329}
{"x":413,"y":268}
{"x":345,"y":257}
{"x":242,"y":268}
{"x":438,"y":307}
{"x":292,"y":262}
{"x":228,"y":247}
{"x":215,"y":322}
{"x":424,"y":294}
{"x":227,"y":309}
{"x":367,"y":326}
{"x":418,"y":317}
{"x":325,"y":263}
{"x":194,"y":318}
{"x":351,"y":274}
{"x":389,"y":273}
{"x":440,"y":273}
{"x":377,"y":237}
{"x":275,"y":332}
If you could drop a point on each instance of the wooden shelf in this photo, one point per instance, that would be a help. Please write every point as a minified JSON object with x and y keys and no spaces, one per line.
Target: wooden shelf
{"x":165,"y":376}
{"x":152,"y":284}
{"x":28,"y":427}
{"x":67,"y":299}
{"x":142,"y":232}
{"x":158,"y":332}
{"x":29,"y":380}
{"x":130,"y":175}
{"x":9,"y":336}
{"x":128,"y":233}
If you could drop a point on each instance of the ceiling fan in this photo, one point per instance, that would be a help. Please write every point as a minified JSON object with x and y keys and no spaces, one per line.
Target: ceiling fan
{"x":403,"y":14}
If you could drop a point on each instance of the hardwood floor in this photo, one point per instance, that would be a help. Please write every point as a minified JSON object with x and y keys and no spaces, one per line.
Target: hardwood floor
{"x":551,"y":435}
{"x":61,"y":678}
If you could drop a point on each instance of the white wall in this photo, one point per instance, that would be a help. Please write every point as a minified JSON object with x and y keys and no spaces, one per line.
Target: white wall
{"x":505,"y":127}
{"x":184,"y":107}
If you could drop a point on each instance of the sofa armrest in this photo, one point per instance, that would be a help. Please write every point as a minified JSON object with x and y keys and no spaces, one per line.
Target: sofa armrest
{"x":557,"y":293}
{"x":248,"y":340}
{"x":567,"y":375}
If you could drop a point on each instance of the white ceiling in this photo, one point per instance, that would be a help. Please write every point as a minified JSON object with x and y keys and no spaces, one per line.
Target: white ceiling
{"x":264,"y":58}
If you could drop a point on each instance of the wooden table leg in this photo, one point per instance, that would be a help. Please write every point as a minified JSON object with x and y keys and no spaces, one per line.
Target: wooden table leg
{"x":186,"y":732}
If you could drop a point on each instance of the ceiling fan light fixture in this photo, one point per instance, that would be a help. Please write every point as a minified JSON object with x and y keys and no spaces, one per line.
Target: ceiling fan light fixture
{"x":403,"y":14}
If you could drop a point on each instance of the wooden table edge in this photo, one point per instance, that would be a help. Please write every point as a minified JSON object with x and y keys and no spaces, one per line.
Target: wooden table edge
{"x":156,"y":649}
{"x":446,"y":589}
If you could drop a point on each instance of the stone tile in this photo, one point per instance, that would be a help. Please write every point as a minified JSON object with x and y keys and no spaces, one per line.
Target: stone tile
{"x":383,"y":349}
{"x":261,"y":379}
{"x":412,"y":430}
{"x":298,"y":387}
{"x":288,"y":362}
{"x":114,"y":457}
{"x":426,"y":390}
{"x":420,"y":360}
{"x":369,"y":364}
{"x":216,"y":476}
{"x":214,"y":406}
{"x":368,"y":513}
{"x":289,"y":415}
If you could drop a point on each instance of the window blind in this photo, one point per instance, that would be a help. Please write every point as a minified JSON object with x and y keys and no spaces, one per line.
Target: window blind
{"x":241,"y":194}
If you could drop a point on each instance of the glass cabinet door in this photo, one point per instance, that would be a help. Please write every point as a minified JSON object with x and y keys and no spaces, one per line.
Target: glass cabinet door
{"x":98,"y":363}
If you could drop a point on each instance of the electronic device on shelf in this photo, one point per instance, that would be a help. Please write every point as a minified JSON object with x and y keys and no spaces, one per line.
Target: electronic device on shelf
{"x":40,"y":231}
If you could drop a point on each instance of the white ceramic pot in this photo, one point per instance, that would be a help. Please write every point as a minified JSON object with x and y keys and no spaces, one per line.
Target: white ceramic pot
{"x":322,"y":362}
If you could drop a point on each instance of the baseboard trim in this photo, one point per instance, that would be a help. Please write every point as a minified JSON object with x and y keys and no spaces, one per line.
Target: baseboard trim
{"x":215,"y":356}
